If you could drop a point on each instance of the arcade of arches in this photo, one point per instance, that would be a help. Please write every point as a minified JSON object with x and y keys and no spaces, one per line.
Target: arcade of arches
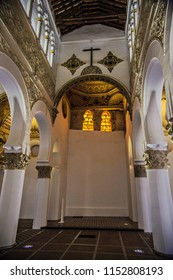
{"x":83,"y":137}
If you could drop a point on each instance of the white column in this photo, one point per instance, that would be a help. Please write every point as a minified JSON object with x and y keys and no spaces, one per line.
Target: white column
{"x":11,"y":195}
{"x":134,"y":212}
{"x":42,"y":196}
{"x":54,"y":198}
{"x":161,"y":202}
{"x":143,"y":197}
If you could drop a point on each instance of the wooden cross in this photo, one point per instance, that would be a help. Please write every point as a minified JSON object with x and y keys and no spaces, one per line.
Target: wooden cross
{"x":91,"y":50}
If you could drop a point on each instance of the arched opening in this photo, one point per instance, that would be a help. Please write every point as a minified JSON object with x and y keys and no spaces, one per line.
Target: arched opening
{"x":153,"y":88}
{"x":40,"y":146}
{"x":95,"y":159}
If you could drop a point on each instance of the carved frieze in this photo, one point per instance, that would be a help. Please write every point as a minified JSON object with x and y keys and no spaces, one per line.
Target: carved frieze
{"x":158,"y":22}
{"x":44,"y":171}
{"x":34,"y":93}
{"x":17,"y":26}
{"x":14,"y":160}
{"x":152,"y":16}
{"x":140,"y":171}
{"x":156,"y":159}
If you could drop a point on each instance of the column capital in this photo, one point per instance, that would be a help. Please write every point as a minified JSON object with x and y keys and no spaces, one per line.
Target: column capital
{"x":44,"y":171}
{"x":156,"y":159}
{"x":14,"y":161}
{"x":140,"y":171}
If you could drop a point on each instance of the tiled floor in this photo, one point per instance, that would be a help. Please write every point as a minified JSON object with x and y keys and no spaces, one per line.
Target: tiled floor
{"x":80,"y":244}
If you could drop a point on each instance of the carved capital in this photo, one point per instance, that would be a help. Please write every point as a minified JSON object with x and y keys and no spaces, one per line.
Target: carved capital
{"x":156,"y":159}
{"x":14,"y":160}
{"x":44,"y":171}
{"x":140,"y":171}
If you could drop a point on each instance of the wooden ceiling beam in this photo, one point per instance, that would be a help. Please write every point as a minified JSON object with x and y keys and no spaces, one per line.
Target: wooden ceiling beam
{"x":59,"y":5}
{"x":69,"y":13}
{"x":114,"y":17}
{"x":113,"y":5}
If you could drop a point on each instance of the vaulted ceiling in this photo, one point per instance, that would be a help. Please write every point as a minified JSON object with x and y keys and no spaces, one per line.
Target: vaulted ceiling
{"x":73,"y":14}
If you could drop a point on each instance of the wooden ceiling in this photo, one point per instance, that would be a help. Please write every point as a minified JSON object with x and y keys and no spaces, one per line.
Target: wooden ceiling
{"x":73,"y":14}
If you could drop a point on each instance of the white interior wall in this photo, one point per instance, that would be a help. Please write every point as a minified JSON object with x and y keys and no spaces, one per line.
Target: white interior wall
{"x":104,"y":39}
{"x":97,"y":174}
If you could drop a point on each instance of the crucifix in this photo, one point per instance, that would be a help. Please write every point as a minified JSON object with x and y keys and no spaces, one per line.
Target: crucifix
{"x":91,"y":50}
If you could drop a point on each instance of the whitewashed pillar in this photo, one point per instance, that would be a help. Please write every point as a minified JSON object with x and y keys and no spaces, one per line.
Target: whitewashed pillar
{"x":143,"y":196}
{"x":161,"y":201}
{"x":11,"y":195}
{"x":42,"y":196}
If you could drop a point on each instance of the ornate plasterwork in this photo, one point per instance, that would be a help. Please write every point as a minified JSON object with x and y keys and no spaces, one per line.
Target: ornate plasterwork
{"x":94,"y":77}
{"x":14,"y":160}
{"x":140,"y":171}
{"x":73,"y":63}
{"x":34,"y":93}
{"x":17,"y":26}
{"x":158,"y":22}
{"x":110,"y":61}
{"x":153,"y":18}
{"x":156,"y":159}
{"x":44,"y":171}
